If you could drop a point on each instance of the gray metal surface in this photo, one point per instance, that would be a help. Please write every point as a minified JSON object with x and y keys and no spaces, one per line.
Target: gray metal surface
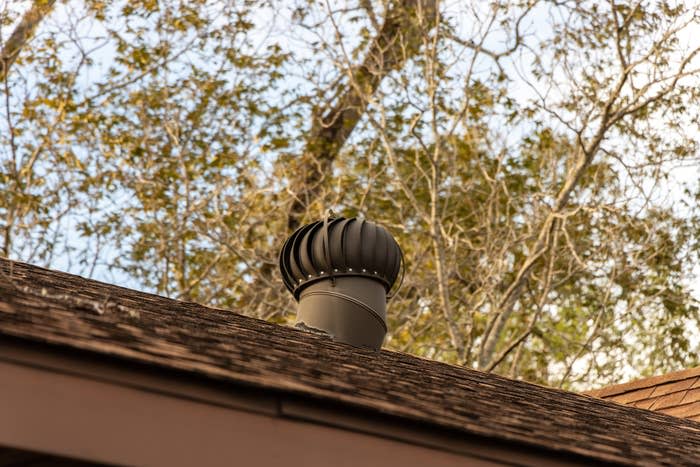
{"x":353,"y":310}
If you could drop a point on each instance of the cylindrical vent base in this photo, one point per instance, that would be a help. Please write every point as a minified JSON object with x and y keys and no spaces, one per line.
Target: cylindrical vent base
{"x":351,"y":311}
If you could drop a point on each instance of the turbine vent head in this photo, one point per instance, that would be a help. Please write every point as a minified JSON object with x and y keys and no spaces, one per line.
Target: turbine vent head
{"x":341,"y":272}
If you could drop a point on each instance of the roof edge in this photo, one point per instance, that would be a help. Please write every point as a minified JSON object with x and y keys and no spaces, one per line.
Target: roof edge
{"x":164,"y":382}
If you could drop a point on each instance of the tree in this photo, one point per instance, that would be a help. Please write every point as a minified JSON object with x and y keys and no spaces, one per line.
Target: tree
{"x":520,"y":151}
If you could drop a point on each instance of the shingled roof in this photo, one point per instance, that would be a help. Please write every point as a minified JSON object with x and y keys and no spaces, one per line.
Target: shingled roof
{"x":66,"y":311}
{"x":676,"y":393}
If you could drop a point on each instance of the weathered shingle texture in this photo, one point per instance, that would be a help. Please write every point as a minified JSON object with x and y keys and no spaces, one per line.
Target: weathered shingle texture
{"x":62,"y":309}
{"x":676,"y":394}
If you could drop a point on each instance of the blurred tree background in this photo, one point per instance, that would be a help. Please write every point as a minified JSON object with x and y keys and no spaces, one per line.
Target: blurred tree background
{"x":537,"y":161}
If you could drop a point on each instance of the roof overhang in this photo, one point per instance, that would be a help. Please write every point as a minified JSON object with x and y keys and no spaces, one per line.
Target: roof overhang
{"x":74,"y":404}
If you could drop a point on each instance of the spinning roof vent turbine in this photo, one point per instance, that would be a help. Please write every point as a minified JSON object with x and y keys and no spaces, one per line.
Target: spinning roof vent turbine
{"x":341,"y":272}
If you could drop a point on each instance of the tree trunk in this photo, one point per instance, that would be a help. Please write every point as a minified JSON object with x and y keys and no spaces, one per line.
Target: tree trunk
{"x":398,"y":40}
{"x":23,"y":33}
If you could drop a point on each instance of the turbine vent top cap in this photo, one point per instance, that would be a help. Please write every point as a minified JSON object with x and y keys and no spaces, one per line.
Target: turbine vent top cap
{"x":337,"y":247}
